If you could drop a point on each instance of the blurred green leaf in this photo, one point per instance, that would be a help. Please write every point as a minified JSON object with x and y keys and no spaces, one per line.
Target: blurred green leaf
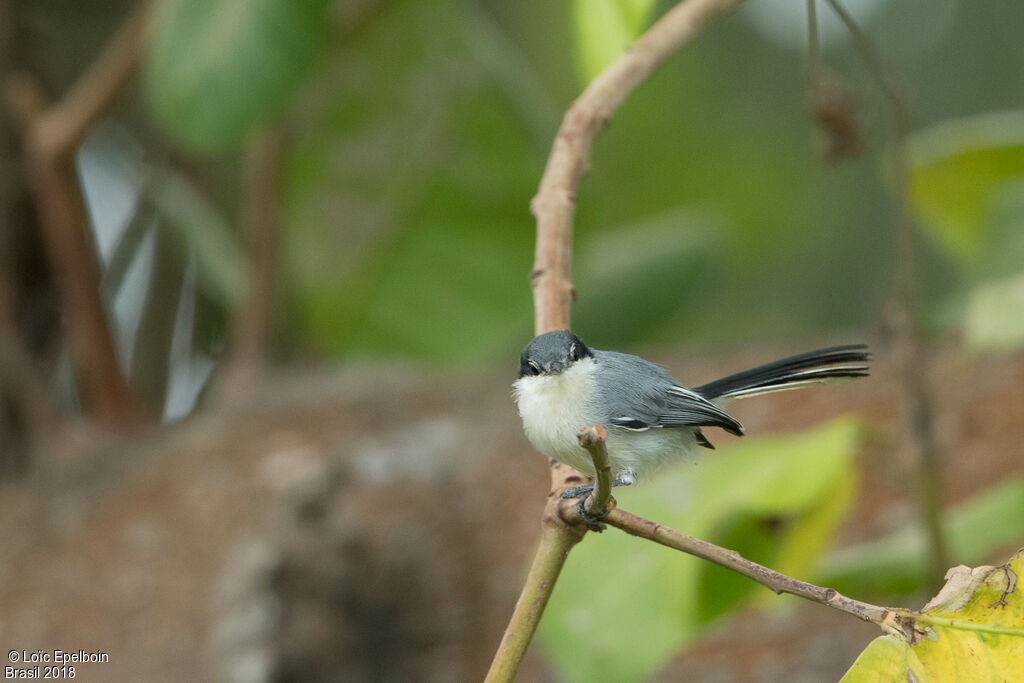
{"x":720,"y":590}
{"x":754,"y":494}
{"x":975,"y":633}
{"x":633,"y":277}
{"x":604,"y":28}
{"x":958,"y":169}
{"x":994,"y":319}
{"x":217,"y":69}
{"x":1004,"y":253}
{"x":223,"y":270}
{"x":407,"y":199}
{"x":896,"y":565}
{"x":989,"y":321}
{"x":810,"y":534}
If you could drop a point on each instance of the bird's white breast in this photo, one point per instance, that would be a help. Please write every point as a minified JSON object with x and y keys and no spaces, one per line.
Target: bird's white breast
{"x":555,"y":408}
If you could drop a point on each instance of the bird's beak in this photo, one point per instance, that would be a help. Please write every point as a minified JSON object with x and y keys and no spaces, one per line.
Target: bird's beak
{"x":555,"y":367}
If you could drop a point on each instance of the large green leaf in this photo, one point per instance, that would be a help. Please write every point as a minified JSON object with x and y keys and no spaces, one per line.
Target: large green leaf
{"x":959,"y":168}
{"x":763,"y":497}
{"x":217,"y":69}
{"x":604,"y":28}
{"x":973,"y":630}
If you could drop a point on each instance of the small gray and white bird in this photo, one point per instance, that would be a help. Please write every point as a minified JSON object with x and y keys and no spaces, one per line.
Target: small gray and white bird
{"x":652,"y":418}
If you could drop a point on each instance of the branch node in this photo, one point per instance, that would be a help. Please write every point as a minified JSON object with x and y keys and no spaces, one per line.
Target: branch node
{"x":590,"y":436}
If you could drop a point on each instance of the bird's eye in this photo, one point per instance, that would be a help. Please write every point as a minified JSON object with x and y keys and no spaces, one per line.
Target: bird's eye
{"x":574,"y":351}
{"x":534,"y":368}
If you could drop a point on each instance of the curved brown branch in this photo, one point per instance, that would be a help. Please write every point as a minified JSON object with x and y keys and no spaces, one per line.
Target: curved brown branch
{"x":52,"y":136}
{"x":555,"y":202}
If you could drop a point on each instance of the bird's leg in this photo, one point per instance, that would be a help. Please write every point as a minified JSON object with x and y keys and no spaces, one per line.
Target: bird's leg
{"x":578,"y":491}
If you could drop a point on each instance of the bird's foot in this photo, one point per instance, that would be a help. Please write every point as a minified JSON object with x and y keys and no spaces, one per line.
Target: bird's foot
{"x":592,"y":520}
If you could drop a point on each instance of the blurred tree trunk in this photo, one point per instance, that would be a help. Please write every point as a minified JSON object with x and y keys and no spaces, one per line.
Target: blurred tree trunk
{"x":28,"y":315}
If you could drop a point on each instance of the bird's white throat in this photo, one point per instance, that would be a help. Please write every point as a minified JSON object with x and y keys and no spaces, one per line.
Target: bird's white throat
{"x":554,"y":408}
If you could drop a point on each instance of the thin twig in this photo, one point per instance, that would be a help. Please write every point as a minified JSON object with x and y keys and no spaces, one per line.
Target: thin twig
{"x":886,"y":81}
{"x":64,"y":125}
{"x":909,"y":345}
{"x":593,"y":439}
{"x":830,"y":103}
{"x":887,"y":619}
{"x":813,"y":39}
{"x":259,"y":218}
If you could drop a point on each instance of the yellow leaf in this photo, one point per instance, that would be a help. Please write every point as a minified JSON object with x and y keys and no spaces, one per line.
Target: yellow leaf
{"x":973,"y":630}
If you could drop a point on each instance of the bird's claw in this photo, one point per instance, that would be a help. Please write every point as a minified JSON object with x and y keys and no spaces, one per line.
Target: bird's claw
{"x":592,"y":520}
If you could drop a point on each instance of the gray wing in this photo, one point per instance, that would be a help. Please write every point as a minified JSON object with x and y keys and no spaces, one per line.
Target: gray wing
{"x":636,"y":394}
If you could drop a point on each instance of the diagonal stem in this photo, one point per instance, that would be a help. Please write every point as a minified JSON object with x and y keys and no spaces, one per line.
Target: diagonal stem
{"x":556,"y":540}
{"x":887,"y":619}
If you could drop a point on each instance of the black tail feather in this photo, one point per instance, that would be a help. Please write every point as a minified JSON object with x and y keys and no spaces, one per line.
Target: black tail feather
{"x":847,"y":361}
